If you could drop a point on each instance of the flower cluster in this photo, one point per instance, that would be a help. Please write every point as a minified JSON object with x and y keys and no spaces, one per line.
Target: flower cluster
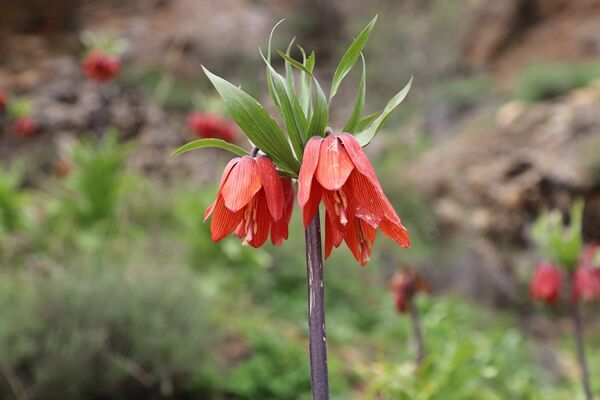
{"x":208,"y":125}
{"x":256,"y":195}
{"x":254,"y":200}
{"x":100,"y":66}
{"x":548,"y":279}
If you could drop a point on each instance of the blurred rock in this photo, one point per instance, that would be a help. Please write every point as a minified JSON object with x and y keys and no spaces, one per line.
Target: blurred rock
{"x":536,"y":156}
{"x":509,"y":34}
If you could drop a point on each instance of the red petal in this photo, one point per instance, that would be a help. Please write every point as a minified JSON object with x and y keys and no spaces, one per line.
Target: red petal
{"x":271,"y":182}
{"x":395,"y":231}
{"x":223,"y":221}
{"x":333,"y":237}
{"x":330,"y":206}
{"x":242,"y":184}
{"x":359,"y":159}
{"x":227,"y":171}
{"x":311,"y":207}
{"x":279,"y":229}
{"x":334,"y":164}
{"x":310,"y":159}
{"x":209,"y":210}
{"x":360,"y":238}
{"x":263,"y":221}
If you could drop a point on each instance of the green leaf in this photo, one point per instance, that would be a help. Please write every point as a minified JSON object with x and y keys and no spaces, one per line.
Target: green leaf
{"x":289,"y":108}
{"x":366,"y":121}
{"x":320,"y":117}
{"x":365,"y":136}
{"x":289,"y":74}
{"x":204,"y":143}
{"x":350,"y":57}
{"x":257,"y":124}
{"x":359,"y":103}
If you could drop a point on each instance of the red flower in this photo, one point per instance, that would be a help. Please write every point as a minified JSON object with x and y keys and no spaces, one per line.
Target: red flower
{"x":2,"y":100}
{"x":336,"y":170}
{"x":251,"y":201}
{"x":279,"y":229}
{"x":588,"y":255}
{"x":586,"y":283}
{"x":210,"y":126}
{"x":24,"y":126}
{"x":405,"y":286}
{"x":100,"y":67}
{"x":546,"y":282}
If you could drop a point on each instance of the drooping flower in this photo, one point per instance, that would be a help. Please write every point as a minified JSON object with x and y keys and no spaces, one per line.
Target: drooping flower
{"x":586,"y":283}
{"x":100,"y":66}
{"x":546,"y":283}
{"x":2,"y":100}
{"x":250,"y":201}
{"x":24,"y":126}
{"x":335,"y":170}
{"x":210,"y":126}
{"x":405,"y":286}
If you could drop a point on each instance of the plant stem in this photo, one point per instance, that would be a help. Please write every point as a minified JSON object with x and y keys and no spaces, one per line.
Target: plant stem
{"x":578,"y":333}
{"x":316,"y":311}
{"x":417,"y":333}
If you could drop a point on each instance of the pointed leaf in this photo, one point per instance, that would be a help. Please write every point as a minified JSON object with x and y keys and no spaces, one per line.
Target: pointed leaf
{"x":259,"y":126}
{"x":359,"y":103}
{"x":289,"y":108}
{"x":204,"y":143}
{"x":289,"y":74}
{"x":350,"y":57}
{"x":366,"y":121}
{"x":367,"y":135}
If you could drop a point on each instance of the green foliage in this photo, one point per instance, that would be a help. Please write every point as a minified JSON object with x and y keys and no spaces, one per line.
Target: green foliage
{"x":560,"y":244}
{"x":546,"y":81}
{"x":215,"y":143}
{"x":12,"y":201}
{"x":493,"y":363}
{"x":97,"y":180}
{"x":111,"y":332}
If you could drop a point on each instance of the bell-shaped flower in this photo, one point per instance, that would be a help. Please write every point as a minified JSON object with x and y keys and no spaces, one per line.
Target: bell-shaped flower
{"x":546,"y":283}
{"x":335,"y":170}
{"x":250,"y":201}
{"x":100,"y":66}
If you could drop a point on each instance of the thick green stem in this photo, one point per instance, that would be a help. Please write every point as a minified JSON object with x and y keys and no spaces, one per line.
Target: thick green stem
{"x":316,"y":311}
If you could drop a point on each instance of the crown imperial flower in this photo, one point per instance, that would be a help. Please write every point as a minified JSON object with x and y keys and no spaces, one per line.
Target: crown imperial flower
{"x":210,"y":126}
{"x":24,"y":127}
{"x":335,"y":170}
{"x":100,"y":66}
{"x":251,"y":200}
{"x":546,"y":283}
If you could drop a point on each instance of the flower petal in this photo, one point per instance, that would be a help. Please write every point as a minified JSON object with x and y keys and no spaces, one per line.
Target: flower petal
{"x":242,"y":184}
{"x":333,"y":237}
{"x":271,"y":182}
{"x":335,"y":164}
{"x":359,"y":158}
{"x":223,"y":220}
{"x":310,"y":160}
{"x":395,"y":231}
{"x":312,"y":206}
{"x":263,"y":221}
{"x":279,"y":229}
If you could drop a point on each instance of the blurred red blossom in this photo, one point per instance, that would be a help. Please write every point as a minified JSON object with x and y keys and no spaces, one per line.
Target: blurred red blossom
{"x":210,"y":126}
{"x":336,"y":170}
{"x":251,"y":200}
{"x":62,"y":168}
{"x":100,"y":66}
{"x":586,"y":284}
{"x":2,"y":100}
{"x":404,"y":286}
{"x":546,"y":283}
{"x":24,"y":126}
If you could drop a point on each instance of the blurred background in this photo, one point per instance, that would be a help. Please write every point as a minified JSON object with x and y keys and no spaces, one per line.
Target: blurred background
{"x":111,"y":289}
